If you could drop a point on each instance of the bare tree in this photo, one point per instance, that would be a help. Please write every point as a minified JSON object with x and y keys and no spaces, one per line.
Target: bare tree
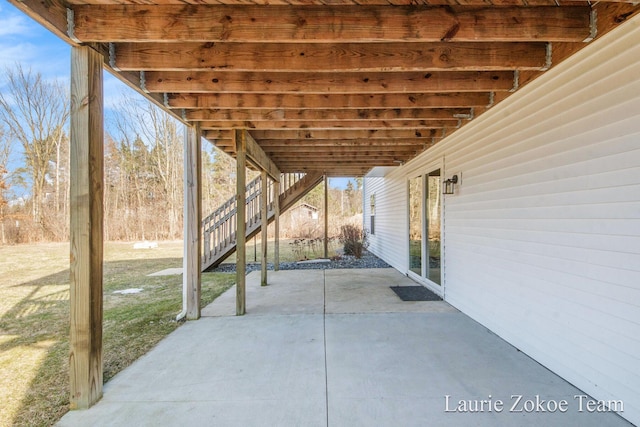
{"x":5,"y":151}
{"x":35,"y":112}
{"x":149,"y":149}
{"x":166,"y":162}
{"x":218,"y":177}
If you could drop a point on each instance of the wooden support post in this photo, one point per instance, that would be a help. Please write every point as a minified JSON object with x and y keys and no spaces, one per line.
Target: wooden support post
{"x":276,"y":225}
{"x":326,"y":216}
{"x":191,"y":278}
{"x":86,"y":227}
{"x":264,"y":223}
{"x":241,"y":202}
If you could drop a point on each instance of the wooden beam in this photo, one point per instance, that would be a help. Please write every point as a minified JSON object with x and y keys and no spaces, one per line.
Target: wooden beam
{"x":327,"y":24}
{"x":270,"y":145}
{"x":51,"y":14}
{"x":317,"y":57}
{"x":86,"y":227}
{"x":326,"y":216}
{"x":264,"y":223}
{"x":220,"y":134}
{"x":327,"y":158}
{"x":286,"y":145}
{"x":329,"y":124}
{"x":609,"y":16}
{"x":276,"y":225}
{"x":319,"y":165}
{"x":241,"y":240}
{"x":220,"y":143}
{"x":334,"y":170}
{"x":348,"y":2}
{"x":258,"y":156}
{"x":238,"y":101}
{"x":284,"y":151}
{"x":339,"y":172}
{"x":132,"y":80}
{"x":344,"y":135}
{"x":191,"y":277}
{"x":334,"y":114}
{"x":324,"y":83}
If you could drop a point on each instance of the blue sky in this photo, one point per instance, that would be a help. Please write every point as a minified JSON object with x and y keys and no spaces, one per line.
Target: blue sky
{"x":24,"y":41}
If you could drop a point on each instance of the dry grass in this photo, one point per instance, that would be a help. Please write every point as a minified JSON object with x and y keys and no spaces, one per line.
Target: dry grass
{"x":34,"y":313}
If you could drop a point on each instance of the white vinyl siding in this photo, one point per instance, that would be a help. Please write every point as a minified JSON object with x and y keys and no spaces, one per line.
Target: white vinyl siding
{"x":542,"y":239}
{"x":390,"y":241}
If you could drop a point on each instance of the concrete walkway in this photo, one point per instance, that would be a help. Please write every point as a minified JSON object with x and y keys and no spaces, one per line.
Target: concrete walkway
{"x":335,"y":348}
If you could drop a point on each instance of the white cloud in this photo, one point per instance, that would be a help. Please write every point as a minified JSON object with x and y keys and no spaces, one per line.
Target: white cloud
{"x":11,"y":54}
{"x":26,"y":42}
{"x":13,"y":24}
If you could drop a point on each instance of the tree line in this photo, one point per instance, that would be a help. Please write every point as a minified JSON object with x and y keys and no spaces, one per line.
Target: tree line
{"x":143,"y":168}
{"x":143,"y":165}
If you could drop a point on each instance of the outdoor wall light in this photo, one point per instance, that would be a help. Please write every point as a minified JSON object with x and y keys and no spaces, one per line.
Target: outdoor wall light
{"x":449,"y":185}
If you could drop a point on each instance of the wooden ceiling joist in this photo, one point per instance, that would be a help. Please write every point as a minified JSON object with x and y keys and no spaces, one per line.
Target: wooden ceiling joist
{"x":270,"y":145}
{"x":371,"y":155}
{"x":349,"y":152}
{"x":338,"y":57}
{"x":325,"y":83}
{"x":332,"y":136}
{"x":322,"y":24}
{"x":330,"y":101}
{"x":334,"y":124}
{"x":342,"y":3}
{"x":322,"y":164}
{"x":336,"y":86}
{"x":344,"y":135}
{"x":332,"y":114}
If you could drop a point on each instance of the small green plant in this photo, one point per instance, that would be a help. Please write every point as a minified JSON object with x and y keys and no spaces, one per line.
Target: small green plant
{"x":354,"y":240}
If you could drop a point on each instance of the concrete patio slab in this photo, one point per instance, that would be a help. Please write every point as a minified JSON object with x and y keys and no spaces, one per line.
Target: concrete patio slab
{"x":396,"y":369}
{"x":369,"y":291}
{"x":167,"y":272}
{"x":222,"y":371}
{"x":288,"y":292}
{"x":335,"y":348}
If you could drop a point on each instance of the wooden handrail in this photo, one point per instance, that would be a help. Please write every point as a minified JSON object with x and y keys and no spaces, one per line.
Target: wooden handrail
{"x":219,"y":227}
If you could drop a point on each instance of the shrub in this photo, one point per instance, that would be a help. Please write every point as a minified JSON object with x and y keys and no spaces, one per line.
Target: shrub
{"x":354,"y":240}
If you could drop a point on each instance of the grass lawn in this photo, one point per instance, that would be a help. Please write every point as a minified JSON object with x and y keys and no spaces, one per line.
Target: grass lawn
{"x":34,"y":319}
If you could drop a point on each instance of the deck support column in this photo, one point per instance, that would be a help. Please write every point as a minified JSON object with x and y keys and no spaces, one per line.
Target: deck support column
{"x":264,"y":225}
{"x":191,"y":278}
{"x":326,"y":217}
{"x":241,"y":202}
{"x":86,"y":227}
{"x":276,"y":225}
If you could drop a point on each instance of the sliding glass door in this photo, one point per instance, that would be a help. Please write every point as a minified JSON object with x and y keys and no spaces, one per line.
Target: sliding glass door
{"x":415,"y":225}
{"x":425,"y":196}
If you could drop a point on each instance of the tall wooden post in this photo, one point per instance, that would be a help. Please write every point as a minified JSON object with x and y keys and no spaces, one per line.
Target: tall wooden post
{"x":86,"y":227}
{"x":241,"y":202}
{"x":276,"y":225}
{"x":326,"y":216}
{"x":264,"y":225}
{"x":191,"y":278}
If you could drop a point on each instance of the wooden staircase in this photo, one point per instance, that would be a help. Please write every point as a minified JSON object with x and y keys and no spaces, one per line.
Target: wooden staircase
{"x":219,"y":228}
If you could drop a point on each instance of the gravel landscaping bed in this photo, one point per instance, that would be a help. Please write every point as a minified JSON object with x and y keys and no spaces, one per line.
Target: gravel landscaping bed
{"x":368,"y":260}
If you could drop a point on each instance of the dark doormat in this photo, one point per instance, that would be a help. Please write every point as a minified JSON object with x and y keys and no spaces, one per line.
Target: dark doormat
{"x":415,"y":293}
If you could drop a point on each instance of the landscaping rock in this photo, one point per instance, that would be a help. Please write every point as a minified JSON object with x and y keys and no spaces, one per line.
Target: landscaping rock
{"x":368,"y":260}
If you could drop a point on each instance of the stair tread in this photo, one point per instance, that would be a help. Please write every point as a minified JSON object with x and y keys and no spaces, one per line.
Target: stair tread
{"x":287,"y":199}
